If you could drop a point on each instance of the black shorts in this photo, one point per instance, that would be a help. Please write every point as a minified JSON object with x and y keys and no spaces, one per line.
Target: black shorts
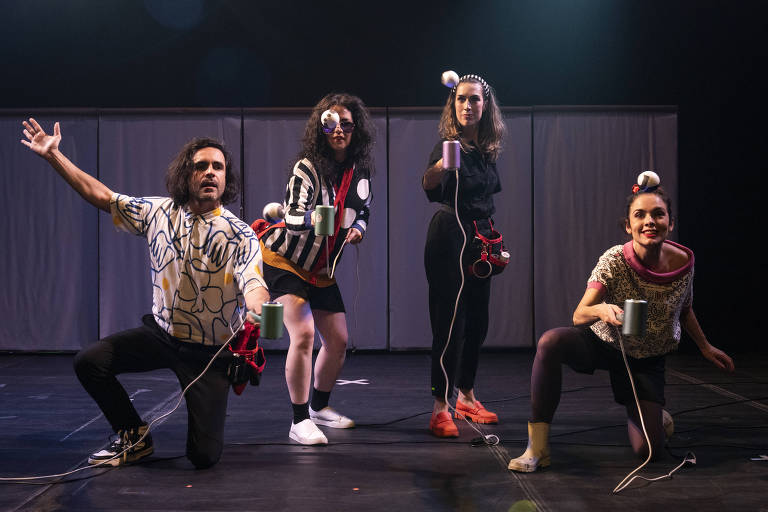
{"x":282,"y":282}
{"x":647,"y":372}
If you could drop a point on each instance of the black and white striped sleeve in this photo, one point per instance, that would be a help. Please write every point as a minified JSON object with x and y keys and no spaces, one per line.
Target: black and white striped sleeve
{"x":299,"y":196}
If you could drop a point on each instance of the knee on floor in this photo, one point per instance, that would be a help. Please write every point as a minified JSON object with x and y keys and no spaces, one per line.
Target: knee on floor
{"x":203,"y":459}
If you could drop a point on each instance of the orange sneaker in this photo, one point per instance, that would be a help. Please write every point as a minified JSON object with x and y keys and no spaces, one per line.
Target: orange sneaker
{"x":479,"y":414}
{"x":441,"y":425}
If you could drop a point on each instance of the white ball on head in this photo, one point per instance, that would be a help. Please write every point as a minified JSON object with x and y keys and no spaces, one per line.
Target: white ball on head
{"x":273,"y":212}
{"x":450,"y":78}
{"x":648,"y":179}
{"x":330,"y":119}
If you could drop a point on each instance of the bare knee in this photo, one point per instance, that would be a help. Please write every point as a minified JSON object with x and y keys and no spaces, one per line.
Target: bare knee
{"x":303,"y":339}
{"x":337,"y":345}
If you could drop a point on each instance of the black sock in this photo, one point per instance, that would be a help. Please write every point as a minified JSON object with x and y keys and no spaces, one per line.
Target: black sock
{"x":320,"y":399}
{"x":300,"y":412}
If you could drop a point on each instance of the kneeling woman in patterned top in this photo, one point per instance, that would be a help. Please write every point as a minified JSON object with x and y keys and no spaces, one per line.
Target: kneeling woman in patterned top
{"x":334,"y":169}
{"x":651,"y":268}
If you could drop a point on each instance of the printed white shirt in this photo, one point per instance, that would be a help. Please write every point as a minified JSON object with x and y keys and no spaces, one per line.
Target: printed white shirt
{"x":201,"y":266}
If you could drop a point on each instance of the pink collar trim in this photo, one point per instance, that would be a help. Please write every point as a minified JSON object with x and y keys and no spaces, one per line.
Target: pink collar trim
{"x":656,"y":277}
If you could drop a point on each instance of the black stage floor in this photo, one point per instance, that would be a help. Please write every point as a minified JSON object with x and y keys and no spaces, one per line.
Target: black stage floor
{"x":389,"y":462}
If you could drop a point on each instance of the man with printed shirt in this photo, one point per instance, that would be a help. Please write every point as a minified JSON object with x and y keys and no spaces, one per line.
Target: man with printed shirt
{"x":205,"y":263}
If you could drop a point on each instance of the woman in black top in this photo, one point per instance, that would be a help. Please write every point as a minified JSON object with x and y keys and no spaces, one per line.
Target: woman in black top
{"x":472,"y":116}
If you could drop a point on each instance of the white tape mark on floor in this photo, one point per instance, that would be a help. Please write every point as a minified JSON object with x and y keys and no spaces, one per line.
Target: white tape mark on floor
{"x":81,"y":427}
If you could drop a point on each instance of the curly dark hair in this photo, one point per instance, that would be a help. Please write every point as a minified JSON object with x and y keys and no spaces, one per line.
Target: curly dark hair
{"x":179,"y":171}
{"x":314,"y":144}
{"x":491,"y":129}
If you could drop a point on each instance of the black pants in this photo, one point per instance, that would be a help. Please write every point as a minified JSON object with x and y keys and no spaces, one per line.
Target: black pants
{"x":150,"y":348}
{"x":444,"y":240}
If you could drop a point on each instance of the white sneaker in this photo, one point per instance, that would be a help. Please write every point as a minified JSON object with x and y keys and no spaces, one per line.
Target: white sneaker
{"x":306,"y":432}
{"x":330,"y":418}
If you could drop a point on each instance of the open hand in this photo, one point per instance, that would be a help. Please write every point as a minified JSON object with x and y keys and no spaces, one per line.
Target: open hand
{"x":39,"y":141}
{"x":718,"y":358}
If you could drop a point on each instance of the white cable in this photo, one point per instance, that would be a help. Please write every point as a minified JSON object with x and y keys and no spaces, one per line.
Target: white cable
{"x":149,"y":426}
{"x":631,"y":476}
{"x":490,"y":439}
{"x":335,"y":260}
{"x":622,"y":485}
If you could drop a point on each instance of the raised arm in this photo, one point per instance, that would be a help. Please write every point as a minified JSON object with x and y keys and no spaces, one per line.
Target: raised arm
{"x":691,"y":325}
{"x":47,"y":146}
{"x":592,"y":308}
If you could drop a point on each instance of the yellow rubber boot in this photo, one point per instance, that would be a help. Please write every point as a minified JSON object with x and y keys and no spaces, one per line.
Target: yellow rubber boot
{"x":537,"y":454}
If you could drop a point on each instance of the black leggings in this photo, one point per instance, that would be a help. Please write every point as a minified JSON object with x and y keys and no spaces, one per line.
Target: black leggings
{"x":149,"y":348}
{"x":444,"y":240}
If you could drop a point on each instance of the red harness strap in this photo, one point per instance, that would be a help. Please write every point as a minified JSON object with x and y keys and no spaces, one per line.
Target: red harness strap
{"x":246,"y":345}
{"x":341,"y":195}
{"x":262,"y":227}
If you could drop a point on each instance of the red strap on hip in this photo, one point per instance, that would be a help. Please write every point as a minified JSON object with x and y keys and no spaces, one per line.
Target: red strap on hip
{"x":341,"y":195}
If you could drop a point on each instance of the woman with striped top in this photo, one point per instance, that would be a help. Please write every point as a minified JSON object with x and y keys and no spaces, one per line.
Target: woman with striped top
{"x":334,"y":169}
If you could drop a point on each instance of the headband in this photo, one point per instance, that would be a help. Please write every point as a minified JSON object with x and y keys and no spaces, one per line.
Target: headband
{"x":452,"y":80}
{"x":465,"y":78}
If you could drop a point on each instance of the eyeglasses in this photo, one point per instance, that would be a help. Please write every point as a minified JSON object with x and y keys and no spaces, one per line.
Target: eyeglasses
{"x":346,"y":127}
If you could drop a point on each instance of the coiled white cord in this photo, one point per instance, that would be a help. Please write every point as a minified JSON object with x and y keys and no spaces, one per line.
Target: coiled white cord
{"x":632,"y":475}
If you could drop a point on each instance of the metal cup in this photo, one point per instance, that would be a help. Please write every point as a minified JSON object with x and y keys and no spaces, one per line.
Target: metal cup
{"x":635,"y":317}
{"x":324,"y":217}
{"x":451,"y":154}
{"x":271,"y":320}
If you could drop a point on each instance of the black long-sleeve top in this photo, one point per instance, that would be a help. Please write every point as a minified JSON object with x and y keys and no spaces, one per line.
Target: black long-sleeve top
{"x":478,"y":181}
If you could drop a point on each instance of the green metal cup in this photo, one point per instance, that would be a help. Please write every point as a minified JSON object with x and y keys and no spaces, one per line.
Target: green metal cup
{"x":324,"y":217}
{"x":271,"y":320}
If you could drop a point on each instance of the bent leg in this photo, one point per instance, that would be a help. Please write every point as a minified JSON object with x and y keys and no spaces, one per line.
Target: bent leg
{"x":134,"y":350}
{"x":300,"y":325}
{"x":206,"y":406}
{"x":330,"y":359}
{"x":563,"y":345}
{"x":654,"y":425}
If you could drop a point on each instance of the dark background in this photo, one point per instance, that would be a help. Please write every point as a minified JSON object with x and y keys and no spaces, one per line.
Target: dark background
{"x":708,"y":58}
